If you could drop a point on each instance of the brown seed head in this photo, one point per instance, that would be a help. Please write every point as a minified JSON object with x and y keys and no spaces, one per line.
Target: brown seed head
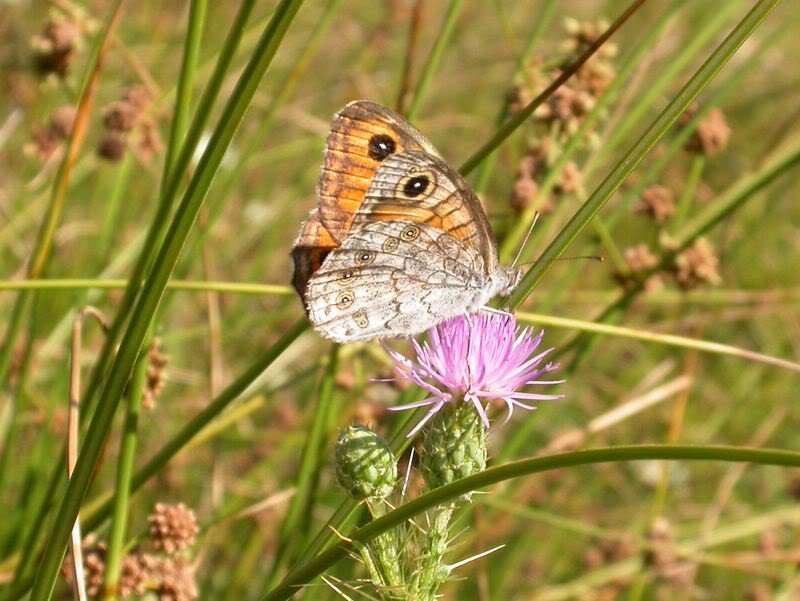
{"x":157,"y":362}
{"x":121,"y":116}
{"x":94,"y":565}
{"x":111,"y":147}
{"x":172,"y":527}
{"x":56,"y":46}
{"x":176,"y":581}
{"x":712,"y":134}
{"x":659,"y":203}
{"x":697,"y":265}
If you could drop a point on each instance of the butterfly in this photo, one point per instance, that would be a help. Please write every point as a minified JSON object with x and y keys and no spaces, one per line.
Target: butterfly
{"x":399,"y":241}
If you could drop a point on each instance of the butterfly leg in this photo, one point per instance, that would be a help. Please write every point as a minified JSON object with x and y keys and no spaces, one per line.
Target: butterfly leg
{"x":489,"y":309}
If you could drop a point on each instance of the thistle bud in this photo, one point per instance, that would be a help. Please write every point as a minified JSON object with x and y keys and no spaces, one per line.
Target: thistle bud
{"x":365,"y":467}
{"x":454,"y":446}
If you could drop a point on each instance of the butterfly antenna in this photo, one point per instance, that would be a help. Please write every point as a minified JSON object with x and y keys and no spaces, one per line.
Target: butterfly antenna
{"x":527,"y":236}
{"x":578,"y":258}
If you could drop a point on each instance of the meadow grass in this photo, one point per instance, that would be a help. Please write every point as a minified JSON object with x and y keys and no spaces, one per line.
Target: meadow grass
{"x":679,"y":374}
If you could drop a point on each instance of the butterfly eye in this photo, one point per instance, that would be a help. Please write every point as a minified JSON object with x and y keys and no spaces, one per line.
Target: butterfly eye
{"x":416,"y":186}
{"x":381,"y":146}
{"x":365,"y":257}
{"x":410,"y":233}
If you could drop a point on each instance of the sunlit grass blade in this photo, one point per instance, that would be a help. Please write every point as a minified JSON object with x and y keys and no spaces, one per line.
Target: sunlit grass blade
{"x":518,"y":469}
{"x":515,"y":236}
{"x":628,"y":163}
{"x":502,"y":134}
{"x":153,"y":290}
{"x":705,"y":346}
{"x":435,"y":57}
{"x":300,"y":505}
{"x":58,"y":197}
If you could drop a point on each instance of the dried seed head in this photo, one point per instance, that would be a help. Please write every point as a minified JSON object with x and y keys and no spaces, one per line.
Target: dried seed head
{"x":712,"y":134}
{"x":523,"y":193}
{"x":157,"y":362}
{"x":175,"y":580}
{"x":571,"y":180}
{"x":659,"y":203}
{"x":138,"y":97}
{"x":661,"y":552}
{"x":135,"y":573}
{"x":149,"y":143}
{"x":697,"y":265}
{"x":640,"y":258}
{"x":111,"y":147}
{"x":46,"y":140}
{"x":56,"y":46}
{"x":94,"y":565}
{"x":172,"y":527}
{"x":121,"y":116}
{"x":62,"y":121}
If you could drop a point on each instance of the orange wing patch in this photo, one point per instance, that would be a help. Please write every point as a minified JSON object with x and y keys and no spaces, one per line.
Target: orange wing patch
{"x":362,"y":135}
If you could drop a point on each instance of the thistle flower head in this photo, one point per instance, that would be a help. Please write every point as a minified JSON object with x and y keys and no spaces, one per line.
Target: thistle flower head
{"x":476,"y":359}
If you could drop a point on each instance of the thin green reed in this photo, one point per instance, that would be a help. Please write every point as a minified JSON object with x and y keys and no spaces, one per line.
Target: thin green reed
{"x":435,"y":57}
{"x":285,"y":91}
{"x":517,"y":469}
{"x":541,"y":23}
{"x":183,"y":96}
{"x":310,"y":464}
{"x":655,"y":132}
{"x":671,"y":69}
{"x":743,"y":190}
{"x":99,"y":510}
{"x":502,"y":134}
{"x":156,"y":229}
{"x":153,"y":290}
{"x":125,"y":466}
{"x":167,"y":196}
{"x":58,"y":196}
{"x":515,"y":236}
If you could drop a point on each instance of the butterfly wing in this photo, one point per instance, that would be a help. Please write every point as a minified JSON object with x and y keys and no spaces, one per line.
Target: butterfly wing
{"x":309,"y":251}
{"x":417,"y":186}
{"x":362,"y":135}
{"x":393,"y":278}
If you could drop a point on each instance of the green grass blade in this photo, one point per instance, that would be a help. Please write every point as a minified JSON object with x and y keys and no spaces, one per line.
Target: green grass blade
{"x":58,"y":197}
{"x":153,"y":290}
{"x":300,"y":505}
{"x":705,"y":346}
{"x":518,"y":469}
{"x":655,"y":132}
{"x":502,"y":134}
{"x":99,"y":511}
{"x":183,"y":98}
{"x":541,"y":24}
{"x":522,"y":224}
{"x":125,"y":464}
{"x":435,"y":57}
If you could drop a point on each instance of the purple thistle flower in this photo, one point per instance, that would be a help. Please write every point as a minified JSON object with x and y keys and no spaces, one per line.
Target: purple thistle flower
{"x":476,"y":358}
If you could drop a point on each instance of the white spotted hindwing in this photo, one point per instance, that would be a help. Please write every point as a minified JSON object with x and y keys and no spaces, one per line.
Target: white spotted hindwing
{"x":393,"y":278}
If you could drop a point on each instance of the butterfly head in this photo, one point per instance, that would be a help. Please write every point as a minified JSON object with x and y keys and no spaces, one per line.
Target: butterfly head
{"x":505,"y":280}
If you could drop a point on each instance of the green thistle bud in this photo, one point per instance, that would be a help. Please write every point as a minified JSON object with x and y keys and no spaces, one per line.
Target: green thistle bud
{"x":454,"y":445}
{"x":365,"y":467}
